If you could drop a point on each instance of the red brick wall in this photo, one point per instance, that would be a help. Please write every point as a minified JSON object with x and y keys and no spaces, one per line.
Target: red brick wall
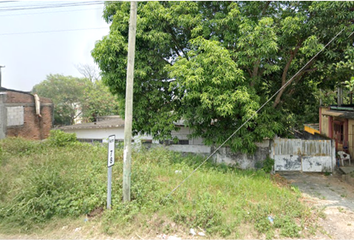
{"x":34,"y":127}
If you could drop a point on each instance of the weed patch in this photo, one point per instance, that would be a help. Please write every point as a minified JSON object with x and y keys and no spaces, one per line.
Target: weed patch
{"x":61,"y":179}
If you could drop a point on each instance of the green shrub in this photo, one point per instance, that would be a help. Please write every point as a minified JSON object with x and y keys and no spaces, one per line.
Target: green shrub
{"x":19,"y":146}
{"x":60,"y":138}
{"x":59,"y":183}
{"x":288,"y":227}
{"x":268,"y":164}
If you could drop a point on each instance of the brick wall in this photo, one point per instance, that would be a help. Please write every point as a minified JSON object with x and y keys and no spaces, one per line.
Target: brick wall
{"x":22,"y":120}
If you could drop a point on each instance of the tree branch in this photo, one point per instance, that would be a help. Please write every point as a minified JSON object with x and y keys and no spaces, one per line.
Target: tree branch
{"x":255,"y":71}
{"x":166,"y":60}
{"x":299,"y":77}
{"x":168,"y":29}
{"x":285,"y":72}
{"x":265,"y":7}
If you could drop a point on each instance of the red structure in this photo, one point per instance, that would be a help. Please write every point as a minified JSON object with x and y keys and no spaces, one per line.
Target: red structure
{"x":338,"y":123}
{"x":25,"y":115}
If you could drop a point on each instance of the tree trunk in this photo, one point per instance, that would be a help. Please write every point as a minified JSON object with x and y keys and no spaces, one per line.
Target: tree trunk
{"x":283,"y":77}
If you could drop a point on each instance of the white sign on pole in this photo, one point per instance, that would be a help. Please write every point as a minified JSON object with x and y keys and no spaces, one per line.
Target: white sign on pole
{"x":111,"y":144}
{"x":110,"y":163}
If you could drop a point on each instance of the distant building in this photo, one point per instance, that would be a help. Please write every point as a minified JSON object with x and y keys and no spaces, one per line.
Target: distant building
{"x":114,"y":125}
{"x":23,"y":114}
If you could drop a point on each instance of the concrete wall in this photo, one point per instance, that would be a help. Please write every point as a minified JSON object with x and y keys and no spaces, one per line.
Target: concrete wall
{"x":224,"y":155}
{"x":22,"y":120}
{"x":242,"y":160}
{"x":198,"y":149}
{"x":103,"y":133}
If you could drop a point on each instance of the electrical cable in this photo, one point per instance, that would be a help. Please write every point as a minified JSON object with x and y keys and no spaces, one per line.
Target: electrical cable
{"x":28,"y":14}
{"x":53,"y":31}
{"x":36,"y":7}
{"x":254,"y":114}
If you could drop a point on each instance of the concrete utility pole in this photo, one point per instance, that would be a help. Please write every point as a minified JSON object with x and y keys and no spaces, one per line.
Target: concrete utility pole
{"x":0,"y":75}
{"x":129,"y":104}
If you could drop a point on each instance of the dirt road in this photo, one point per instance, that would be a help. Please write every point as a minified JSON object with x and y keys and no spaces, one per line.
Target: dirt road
{"x":334,"y":196}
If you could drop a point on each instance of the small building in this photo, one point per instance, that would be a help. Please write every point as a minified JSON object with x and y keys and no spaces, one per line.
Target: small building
{"x":114,"y":125}
{"x":98,"y":131}
{"x":23,"y":114}
{"x":337,"y":122}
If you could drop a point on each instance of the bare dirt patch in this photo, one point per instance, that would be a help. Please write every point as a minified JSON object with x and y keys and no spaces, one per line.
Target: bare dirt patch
{"x":333,"y":197}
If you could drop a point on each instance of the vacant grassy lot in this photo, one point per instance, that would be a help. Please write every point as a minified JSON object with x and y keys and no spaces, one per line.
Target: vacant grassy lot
{"x":59,"y":181}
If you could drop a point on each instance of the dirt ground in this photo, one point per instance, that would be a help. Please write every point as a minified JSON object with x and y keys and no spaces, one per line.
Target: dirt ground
{"x":334,"y":196}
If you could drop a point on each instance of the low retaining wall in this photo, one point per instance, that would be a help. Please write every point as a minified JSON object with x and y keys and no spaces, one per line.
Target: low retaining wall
{"x":198,"y":149}
{"x":243,"y":160}
{"x":226,"y":156}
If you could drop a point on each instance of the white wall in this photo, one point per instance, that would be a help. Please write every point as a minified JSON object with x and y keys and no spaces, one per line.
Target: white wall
{"x":183,"y":133}
{"x":97,"y":133}
{"x":200,"y":149}
{"x":103,"y":133}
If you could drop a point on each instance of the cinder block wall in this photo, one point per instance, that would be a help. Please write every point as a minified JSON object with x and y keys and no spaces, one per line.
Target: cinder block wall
{"x":22,"y":120}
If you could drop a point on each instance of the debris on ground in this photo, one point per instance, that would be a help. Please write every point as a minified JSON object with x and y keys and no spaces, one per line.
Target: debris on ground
{"x":192,"y":232}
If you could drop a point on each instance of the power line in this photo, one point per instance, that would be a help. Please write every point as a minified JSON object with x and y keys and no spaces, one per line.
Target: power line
{"x":61,"y":5}
{"x":46,"y":12}
{"x":255,"y":113}
{"x":53,"y":31}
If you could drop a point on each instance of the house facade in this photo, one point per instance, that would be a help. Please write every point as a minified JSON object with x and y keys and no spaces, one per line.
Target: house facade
{"x":24,"y":115}
{"x":337,"y":122}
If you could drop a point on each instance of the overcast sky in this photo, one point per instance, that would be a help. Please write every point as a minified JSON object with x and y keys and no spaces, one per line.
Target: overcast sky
{"x":41,"y":41}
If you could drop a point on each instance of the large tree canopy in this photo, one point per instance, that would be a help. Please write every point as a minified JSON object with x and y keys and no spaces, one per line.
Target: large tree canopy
{"x":76,"y":98}
{"x":214,"y":63}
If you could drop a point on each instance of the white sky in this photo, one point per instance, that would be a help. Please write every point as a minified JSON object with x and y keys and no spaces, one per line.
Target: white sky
{"x":29,"y":58}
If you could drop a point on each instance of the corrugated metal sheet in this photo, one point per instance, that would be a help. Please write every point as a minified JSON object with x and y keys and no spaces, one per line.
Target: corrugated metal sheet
{"x":303,"y":155}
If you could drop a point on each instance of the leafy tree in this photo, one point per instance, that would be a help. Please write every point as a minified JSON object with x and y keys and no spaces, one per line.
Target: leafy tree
{"x":214,"y":63}
{"x":76,"y":97}
{"x":97,"y":101}
{"x":65,"y":92}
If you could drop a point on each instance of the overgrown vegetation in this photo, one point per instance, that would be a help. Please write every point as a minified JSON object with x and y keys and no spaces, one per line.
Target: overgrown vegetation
{"x":41,"y":181}
{"x":214,"y":63}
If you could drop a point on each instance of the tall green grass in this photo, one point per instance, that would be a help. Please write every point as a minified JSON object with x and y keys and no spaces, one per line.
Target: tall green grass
{"x":40,"y":181}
